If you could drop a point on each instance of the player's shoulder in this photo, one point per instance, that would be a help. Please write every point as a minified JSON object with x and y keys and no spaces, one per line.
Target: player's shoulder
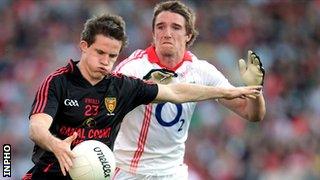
{"x":201,"y":64}
{"x":62,"y":71}
{"x":137,"y":58}
{"x":122,"y":77}
{"x":122,"y":80}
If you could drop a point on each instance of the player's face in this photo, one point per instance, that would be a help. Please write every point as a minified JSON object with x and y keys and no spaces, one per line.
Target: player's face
{"x":170,"y":35}
{"x":100,"y":56}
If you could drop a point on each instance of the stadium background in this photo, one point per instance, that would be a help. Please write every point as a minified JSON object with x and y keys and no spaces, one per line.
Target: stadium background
{"x":36,"y":37}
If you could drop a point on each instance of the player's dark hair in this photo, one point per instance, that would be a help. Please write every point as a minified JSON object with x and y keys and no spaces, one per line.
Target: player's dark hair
{"x":108,"y":25}
{"x":179,"y":8}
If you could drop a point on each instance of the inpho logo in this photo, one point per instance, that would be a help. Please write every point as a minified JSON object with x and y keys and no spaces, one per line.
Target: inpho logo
{"x":6,"y":160}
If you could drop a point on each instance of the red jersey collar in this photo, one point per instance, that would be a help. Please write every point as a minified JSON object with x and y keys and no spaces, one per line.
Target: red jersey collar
{"x":153,"y":58}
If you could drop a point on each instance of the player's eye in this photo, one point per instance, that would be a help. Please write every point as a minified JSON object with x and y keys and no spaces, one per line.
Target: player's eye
{"x":176,"y":27}
{"x":113,"y":55}
{"x":100,"y":52}
{"x":160,"y":27}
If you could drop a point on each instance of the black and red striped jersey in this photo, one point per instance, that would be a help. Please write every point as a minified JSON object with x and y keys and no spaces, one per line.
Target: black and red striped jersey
{"x":93,"y":111}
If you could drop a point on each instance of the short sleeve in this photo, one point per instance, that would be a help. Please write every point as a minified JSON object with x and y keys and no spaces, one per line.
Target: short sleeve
{"x":211,"y":76}
{"x":140,"y":91}
{"x":47,"y":98}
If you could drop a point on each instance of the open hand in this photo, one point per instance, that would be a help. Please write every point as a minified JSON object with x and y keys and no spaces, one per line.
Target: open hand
{"x":62,"y":151}
{"x":252,"y":72}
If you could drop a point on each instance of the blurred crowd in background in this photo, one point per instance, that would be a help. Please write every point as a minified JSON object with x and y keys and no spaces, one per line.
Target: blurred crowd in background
{"x":37,"y":37}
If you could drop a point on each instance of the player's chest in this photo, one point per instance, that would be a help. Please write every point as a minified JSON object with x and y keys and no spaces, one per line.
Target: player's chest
{"x":89,"y":107}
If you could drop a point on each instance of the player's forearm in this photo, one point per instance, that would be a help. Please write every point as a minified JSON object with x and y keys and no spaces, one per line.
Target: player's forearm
{"x":256,"y":109}
{"x":42,"y":137}
{"x":191,"y":92}
{"x":179,"y":93}
{"x":39,"y":132}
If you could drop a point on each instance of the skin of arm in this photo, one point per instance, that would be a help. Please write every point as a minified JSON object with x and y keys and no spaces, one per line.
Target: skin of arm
{"x":39,"y":133}
{"x":253,"y":110}
{"x":182,"y":92}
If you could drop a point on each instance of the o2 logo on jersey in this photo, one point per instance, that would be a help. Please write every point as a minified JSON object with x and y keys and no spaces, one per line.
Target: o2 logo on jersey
{"x":169,"y":122}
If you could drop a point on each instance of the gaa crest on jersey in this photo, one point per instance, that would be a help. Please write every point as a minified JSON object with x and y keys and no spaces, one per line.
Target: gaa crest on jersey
{"x":111,"y":103}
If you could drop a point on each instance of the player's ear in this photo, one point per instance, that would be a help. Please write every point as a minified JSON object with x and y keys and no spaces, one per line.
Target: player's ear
{"x":189,"y":36}
{"x":83,"y":46}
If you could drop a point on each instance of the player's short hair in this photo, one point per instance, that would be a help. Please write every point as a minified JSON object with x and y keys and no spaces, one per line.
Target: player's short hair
{"x":179,"y":8}
{"x":108,"y":25}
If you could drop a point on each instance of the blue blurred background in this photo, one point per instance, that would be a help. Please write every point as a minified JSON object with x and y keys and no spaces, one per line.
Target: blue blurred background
{"x":36,"y":37}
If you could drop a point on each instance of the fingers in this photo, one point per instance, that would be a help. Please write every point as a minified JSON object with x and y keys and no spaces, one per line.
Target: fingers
{"x":256,"y":61}
{"x":254,"y":58}
{"x":68,"y":162}
{"x":65,"y":162}
{"x":72,"y":154}
{"x":250,"y":91}
{"x":71,"y":138}
{"x":64,"y":154}
{"x":62,"y":168}
{"x":251,"y":96}
{"x":261,"y":68}
{"x":258,"y":87}
{"x":161,"y":75}
{"x":248,"y":96}
{"x":253,"y":91}
{"x":165,"y":76}
{"x":156,"y":72}
{"x":243,"y":92}
{"x":242,"y":66}
{"x":249,"y":57}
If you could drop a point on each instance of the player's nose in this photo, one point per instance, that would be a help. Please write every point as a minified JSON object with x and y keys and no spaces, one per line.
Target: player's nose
{"x":105,"y":60}
{"x":167,"y":32}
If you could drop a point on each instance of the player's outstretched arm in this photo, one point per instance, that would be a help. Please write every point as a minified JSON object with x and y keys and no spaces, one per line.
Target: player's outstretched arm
{"x":182,"y":92}
{"x":40,"y":134}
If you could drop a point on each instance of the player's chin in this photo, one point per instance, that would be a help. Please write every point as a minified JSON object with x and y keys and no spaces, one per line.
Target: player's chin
{"x":167,"y":50}
{"x":98,"y":75}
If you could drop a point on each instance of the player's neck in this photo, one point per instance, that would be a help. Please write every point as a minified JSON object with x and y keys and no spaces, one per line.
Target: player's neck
{"x":170,"y":61}
{"x":85,"y":72}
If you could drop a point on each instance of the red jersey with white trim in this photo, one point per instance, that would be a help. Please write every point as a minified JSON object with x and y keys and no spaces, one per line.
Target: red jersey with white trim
{"x":152,"y":137}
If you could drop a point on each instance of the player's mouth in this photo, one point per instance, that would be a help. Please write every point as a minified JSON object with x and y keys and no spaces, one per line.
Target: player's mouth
{"x":167,"y":43}
{"x":103,"y":70}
